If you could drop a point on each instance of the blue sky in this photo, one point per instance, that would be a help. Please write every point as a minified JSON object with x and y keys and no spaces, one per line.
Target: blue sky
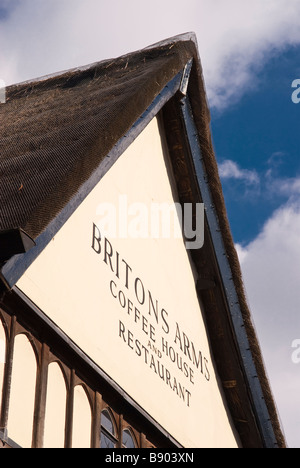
{"x":259,"y":133}
{"x":250,"y":55}
{"x":256,"y":142}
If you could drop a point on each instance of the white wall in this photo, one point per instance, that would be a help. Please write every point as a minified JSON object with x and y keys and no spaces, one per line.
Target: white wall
{"x":84,"y":292}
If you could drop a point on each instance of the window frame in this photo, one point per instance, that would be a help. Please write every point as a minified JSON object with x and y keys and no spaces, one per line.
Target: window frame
{"x":131,"y":434}
{"x":106,"y":432}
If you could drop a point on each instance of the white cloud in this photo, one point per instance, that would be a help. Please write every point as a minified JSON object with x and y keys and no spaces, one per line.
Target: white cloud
{"x":271,"y":270}
{"x":288,"y":186}
{"x":242,"y":252}
{"x":43,"y":37}
{"x":267,"y":184}
{"x":276,"y":159}
{"x":235,"y":38}
{"x":230,"y":170}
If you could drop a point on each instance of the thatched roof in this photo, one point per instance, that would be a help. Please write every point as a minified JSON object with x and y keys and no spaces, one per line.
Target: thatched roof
{"x":54,"y":133}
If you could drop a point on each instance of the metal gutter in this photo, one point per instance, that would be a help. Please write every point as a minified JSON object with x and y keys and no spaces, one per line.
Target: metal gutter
{"x":260,"y":408}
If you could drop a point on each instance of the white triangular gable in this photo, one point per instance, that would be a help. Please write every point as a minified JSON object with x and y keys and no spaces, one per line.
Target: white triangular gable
{"x":127,"y":297}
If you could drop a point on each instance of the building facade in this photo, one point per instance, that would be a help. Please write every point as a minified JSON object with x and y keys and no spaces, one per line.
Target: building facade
{"x":123,"y":318}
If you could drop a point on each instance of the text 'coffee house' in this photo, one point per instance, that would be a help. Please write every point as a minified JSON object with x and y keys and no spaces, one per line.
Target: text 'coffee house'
{"x":123,"y":317}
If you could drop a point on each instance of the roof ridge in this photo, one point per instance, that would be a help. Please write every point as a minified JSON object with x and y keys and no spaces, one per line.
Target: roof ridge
{"x":185,"y":37}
